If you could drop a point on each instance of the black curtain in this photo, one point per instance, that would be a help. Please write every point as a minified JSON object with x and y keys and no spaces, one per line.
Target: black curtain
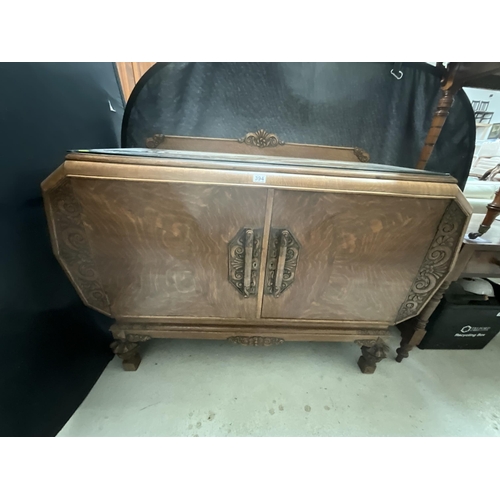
{"x":53,"y":347}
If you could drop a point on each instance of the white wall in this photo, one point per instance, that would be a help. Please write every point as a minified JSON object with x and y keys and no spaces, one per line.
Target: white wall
{"x":493,"y":96}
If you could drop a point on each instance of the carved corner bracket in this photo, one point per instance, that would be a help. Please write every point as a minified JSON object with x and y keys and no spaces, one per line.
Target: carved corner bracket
{"x":244,"y":260}
{"x":155,"y":141}
{"x":120,"y":334}
{"x":73,"y":246}
{"x":261,"y":139}
{"x":376,"y":345}
{"x":282,"y":260}
{"x":361,"y":155}
{"x":124,"y":350}
{"x":256,"y":341}
{"x":437,"y":262}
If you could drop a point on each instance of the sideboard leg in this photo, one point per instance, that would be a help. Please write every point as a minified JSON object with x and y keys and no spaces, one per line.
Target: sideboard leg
{"x":372,"y":351}
{"x":129,"y":353}
{"x":126,"y":346}
{"x":414,"y":330}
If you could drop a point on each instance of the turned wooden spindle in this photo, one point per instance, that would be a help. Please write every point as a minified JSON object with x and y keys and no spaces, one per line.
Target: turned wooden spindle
{"x":491,"y":215}
{"x":440,"y":116}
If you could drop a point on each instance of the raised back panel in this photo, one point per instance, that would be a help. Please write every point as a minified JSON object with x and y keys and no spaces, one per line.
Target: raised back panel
{"x":257,"y":143}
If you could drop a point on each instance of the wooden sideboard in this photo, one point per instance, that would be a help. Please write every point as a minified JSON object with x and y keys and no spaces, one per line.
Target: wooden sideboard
{"x":257,"y":250}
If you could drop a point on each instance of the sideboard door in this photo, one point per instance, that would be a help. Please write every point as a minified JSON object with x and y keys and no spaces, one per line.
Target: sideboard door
{"x":161,"y":248}
{"x":351,"y":256}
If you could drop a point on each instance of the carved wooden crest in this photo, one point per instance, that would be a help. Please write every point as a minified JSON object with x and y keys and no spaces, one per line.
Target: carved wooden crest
{"x":261,"y":139}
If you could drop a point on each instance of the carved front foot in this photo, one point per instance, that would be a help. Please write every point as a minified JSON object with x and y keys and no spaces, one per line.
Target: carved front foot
{"x":126,"y":347}
{"x":372,"y":351}
{"x":129,"y":353}
{"x":403,"y":351}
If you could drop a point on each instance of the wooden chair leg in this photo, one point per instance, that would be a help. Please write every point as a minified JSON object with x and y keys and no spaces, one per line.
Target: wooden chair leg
{"x":491,"y":214}
{"x":403,"y":350}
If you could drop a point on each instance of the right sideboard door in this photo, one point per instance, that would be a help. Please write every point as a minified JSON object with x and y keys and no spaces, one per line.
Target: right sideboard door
{"x":358,"y":254}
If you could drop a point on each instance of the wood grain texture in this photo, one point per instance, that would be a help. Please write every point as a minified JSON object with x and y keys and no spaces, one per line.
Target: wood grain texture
{"x":358,"y":256}
{"x":130,"y":73}
{"x":162,"y":249}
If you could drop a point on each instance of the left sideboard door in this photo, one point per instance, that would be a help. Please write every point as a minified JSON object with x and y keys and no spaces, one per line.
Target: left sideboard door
{"x":161,"y":248}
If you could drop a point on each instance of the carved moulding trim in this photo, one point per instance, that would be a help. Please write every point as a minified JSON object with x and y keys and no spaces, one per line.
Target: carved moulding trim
{"x":437,"y":262}
{"x":73,"y":247}
{"x":120,"y":333}
{"x":369,"y":342}
{"x":256,"y":341}
{"x":261,"y":139}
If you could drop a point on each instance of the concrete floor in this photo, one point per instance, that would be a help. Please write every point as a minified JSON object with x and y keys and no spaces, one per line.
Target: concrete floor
{"x":213,"y":388}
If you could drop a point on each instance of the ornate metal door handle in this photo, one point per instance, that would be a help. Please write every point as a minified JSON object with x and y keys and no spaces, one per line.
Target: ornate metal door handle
{"x":282,"y":261}
{"x":244,"y":260}
{"x":280,"y":268}
{"x":247,"y":273}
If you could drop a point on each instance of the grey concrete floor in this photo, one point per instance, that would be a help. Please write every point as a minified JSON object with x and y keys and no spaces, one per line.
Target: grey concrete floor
{"x":213,"y":388}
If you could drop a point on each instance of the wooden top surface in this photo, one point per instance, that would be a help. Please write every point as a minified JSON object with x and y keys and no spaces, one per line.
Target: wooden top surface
{"x":255,"y":171}
{"x":231,"y":161}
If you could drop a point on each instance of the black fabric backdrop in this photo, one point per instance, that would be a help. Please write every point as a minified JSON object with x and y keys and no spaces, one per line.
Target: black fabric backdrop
{"x":338,"y":104}
{"x":53,"y":347}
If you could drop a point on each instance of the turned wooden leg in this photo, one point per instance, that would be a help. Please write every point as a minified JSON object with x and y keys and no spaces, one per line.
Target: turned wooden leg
{"x":438,"y":120}
{"x":372,"y":351}
{"x":491,"y":214}
{"x":126,"y":347}
{"x":403,"y":350}
{"x":414,"y":330}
